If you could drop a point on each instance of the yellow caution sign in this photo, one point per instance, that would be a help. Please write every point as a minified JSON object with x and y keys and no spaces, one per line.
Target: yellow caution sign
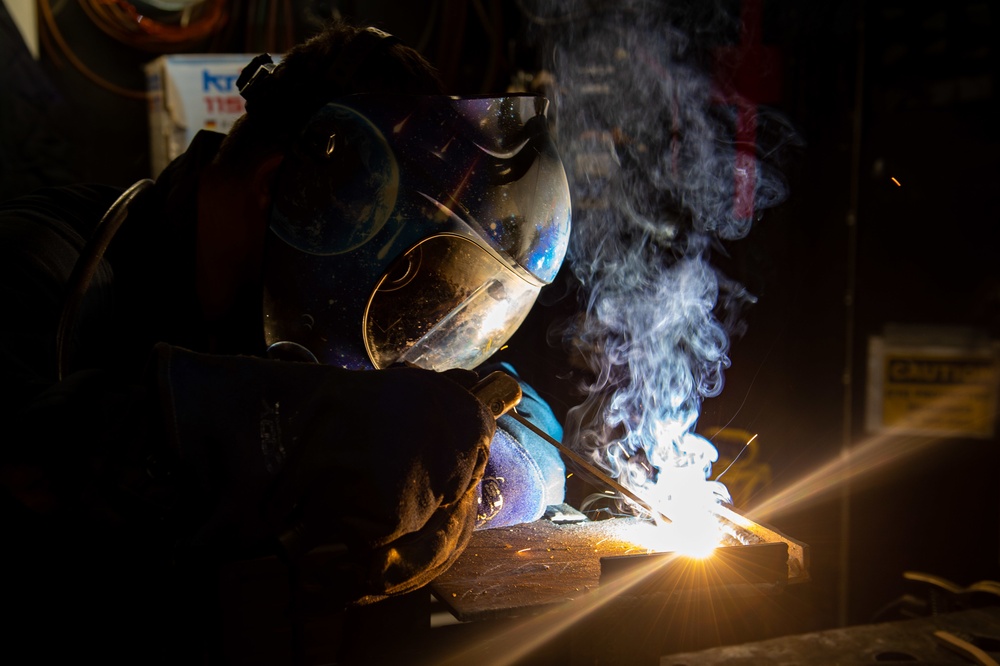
{"x":937,"y":393}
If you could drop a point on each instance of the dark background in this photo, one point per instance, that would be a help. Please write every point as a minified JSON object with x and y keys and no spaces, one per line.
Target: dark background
{"x":875,"y":90}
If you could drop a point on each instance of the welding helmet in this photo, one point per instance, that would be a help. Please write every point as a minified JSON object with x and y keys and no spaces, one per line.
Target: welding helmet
{"x":413,"y":229}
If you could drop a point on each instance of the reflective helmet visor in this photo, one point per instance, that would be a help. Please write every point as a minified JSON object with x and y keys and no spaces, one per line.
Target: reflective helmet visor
{"x":379,"y":183}
{"x":448,"y":302}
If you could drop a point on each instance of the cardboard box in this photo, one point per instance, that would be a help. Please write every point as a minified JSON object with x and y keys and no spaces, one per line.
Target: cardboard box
{"x":188,"y":93}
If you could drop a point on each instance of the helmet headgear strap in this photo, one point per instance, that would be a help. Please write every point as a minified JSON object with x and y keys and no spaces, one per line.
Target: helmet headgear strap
{"x":356,"y":53}
{"x":255,"y":82}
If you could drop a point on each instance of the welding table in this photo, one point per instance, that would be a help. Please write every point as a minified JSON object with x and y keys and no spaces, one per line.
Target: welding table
{"x":581,"y":584}
{"x":539,"y":580}
{"x":525,"y":569}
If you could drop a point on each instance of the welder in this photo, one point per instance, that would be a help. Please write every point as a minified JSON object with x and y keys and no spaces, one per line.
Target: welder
{"x":271,"y":348}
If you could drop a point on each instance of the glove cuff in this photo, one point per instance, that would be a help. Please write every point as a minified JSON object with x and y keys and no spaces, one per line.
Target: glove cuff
{"x":524,"y":473}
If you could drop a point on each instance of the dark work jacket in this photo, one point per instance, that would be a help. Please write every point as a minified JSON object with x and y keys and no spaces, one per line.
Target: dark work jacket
{"x":166,"y":455}
{"x":93,"y":529}
{"x":142,"y":293}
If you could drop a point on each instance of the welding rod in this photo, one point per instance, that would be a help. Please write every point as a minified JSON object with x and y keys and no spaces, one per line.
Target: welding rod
{"x":500,"y":393}
{"x":588,"y":467}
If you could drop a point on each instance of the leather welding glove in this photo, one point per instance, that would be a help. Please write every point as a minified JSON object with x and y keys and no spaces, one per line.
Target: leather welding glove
{"x":524,"y":473}
{"x":385,"y":462}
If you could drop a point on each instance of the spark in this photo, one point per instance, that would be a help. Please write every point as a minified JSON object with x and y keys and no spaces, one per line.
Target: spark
{"x":737,"y":457}
{"x":897,"y":182}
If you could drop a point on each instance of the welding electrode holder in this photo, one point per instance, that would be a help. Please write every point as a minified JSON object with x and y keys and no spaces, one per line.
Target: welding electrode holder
{"x":499,"y":392}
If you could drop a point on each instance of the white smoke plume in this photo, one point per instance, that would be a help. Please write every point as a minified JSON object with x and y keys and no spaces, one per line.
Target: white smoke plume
{"x":649,"y":142}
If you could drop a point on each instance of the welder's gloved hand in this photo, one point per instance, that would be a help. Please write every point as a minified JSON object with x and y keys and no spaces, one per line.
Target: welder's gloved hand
{"x":385,"y":462}
{"x":524,"y":473}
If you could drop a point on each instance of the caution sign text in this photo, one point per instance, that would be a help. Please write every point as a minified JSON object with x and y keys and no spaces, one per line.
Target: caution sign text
{"x":939,"y":395}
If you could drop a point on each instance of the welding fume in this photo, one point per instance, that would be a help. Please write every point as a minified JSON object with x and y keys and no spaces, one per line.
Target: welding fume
{"x":668,"y":161}
{"x":274,"y":347}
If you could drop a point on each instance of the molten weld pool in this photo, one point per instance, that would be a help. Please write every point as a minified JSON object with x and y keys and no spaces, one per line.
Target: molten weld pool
{"x":529,"y":568}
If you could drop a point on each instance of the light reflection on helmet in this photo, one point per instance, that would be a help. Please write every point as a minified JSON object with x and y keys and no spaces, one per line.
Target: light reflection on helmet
{"x":413,"y":228}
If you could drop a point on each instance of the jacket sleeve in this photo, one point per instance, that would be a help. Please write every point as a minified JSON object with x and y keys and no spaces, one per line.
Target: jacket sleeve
{"x":53,"y":428}
{"x":385,"y":462}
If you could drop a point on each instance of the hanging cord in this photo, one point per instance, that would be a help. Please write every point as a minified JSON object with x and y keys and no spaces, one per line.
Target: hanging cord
{"x":124,"y":22}
{"x":49,"y":19}
{"x":86,"y":267}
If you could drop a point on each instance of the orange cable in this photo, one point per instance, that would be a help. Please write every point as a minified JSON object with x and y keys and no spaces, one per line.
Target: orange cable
{"x":122,"y":21}
{"x":50,"y":22}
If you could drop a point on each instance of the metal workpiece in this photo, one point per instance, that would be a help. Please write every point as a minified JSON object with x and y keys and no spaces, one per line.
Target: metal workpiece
{"x":526,"y":569}
{"x":753,"y":569}
{"x":748,"y":532}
